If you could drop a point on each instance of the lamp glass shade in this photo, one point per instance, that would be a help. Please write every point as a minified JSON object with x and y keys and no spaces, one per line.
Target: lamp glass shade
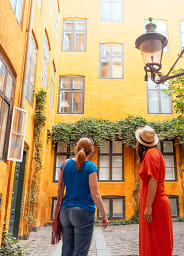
{"x":151,"y":51}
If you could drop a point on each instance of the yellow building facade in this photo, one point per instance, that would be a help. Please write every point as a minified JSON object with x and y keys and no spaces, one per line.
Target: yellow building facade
{"x":84,"y":55}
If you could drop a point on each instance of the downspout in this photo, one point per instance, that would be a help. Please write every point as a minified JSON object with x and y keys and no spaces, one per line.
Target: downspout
{"x":27,"y":53}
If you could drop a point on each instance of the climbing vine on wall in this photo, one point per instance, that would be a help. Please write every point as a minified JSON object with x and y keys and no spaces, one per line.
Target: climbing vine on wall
{"x":124,"y":130}
{"x":39,"y":123}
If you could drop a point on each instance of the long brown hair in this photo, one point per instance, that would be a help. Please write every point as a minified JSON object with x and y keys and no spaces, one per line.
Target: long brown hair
{"x":83,"y":149}
{"x":141,"y":151}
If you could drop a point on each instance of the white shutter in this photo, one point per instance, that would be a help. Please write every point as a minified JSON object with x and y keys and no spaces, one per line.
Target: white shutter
{"x":17,"y":135}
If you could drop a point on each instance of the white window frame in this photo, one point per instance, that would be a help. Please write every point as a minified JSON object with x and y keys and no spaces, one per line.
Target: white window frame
{"x":164,"y":33}
{"x":57,"y":22}
{"x":111,"y":61}
{"x":39,"y":2}
{"x":32,"y":63}
{"x":111,"y":2}
{"x":52,"y":87}
{"x":181,"y":25}
{"x":158,"y":90}
{"x":74,"y":31}
{"x":71,"y":90}
{"x":19,"y":134}
{"x":14,"y":4}
{"x":45,"y":62}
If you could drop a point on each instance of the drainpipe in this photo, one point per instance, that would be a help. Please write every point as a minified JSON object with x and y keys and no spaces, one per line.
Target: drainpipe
{"x":27,"y":53}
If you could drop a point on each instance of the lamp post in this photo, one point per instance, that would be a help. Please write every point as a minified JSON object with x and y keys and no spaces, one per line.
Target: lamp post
{"x":151,"y":45}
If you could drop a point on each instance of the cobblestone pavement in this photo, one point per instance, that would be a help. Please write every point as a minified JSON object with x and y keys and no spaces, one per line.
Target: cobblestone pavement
{"x":121,"y":241}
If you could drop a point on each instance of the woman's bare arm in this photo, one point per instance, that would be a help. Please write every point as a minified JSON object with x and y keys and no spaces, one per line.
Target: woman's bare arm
{"x":93,"y":185}
{"x":152,"y":188}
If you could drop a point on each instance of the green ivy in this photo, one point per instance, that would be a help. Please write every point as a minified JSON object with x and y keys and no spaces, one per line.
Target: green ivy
{"x":100,"y":130}
{"x":9,"y":244}
{"x":33,"y":190}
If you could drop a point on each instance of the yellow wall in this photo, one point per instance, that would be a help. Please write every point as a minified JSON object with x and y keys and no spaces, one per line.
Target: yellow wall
{"x":112,"y":99}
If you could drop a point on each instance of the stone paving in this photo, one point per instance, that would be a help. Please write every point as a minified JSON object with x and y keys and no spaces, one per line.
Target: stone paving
{"x":120,"y":240}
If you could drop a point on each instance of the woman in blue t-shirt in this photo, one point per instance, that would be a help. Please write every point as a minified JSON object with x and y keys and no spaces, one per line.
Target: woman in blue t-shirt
{"x":78,"y":209}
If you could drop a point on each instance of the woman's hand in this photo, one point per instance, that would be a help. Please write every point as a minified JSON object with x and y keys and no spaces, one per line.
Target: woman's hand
{"x":148,"y":214}
{"x":105,"y":222}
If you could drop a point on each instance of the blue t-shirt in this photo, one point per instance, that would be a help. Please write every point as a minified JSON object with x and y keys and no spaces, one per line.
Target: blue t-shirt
{"x":77,"y":185}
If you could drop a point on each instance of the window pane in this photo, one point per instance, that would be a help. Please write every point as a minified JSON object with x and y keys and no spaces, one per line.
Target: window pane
{"x":170,"y":174}
{"x":78,"y":83}
{"x":116,"y":68}
{"x":105,"y":147}
{"x":117,"y":50}
{"x":2,"y":75}
{"x":59,"y":160}
{"x":18,"y":122}
{"x":104,"y":170}
{"x":16,"y":146}
{"x":68,"y":41}
{"x":117,"y":11}
{"x":77,"y":102}
{"x":64,"y":102}
{"x":174,"y":208}
{"x":117,"y":208}
{"x":54,"y":202}
{"x":106,"y":50}
{"x":153,"y":103}
{"x":79,"y":41}
{"x":80,"y":25}
{"x":106,"y":11}
{"x":19,"y":7}
{"x":169,"y":160}
{"x":65,"y":83}
{"x":116,"y":147}
{"x":167,"y":146}
{"x":3,"y":125}
{"x":165,"y":103}
{"x":61,"y":147}
{"x":106,"y":203}
{"x":117,"y":173}
{"x":68,"y":25}
{"x":151,"y":84}
{"x":105,"y":67}
{"x":182,"y":26}
{"x":116,"y":161}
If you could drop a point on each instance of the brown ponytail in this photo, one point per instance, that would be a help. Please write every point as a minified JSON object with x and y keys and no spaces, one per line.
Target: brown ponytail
{"x":84,"y":149}
{"x":80,"y":158}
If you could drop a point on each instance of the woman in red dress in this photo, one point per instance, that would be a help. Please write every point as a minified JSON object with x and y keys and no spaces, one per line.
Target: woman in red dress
{"x":155,"y":221}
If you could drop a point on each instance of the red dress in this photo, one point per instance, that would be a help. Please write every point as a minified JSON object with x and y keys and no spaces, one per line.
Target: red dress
{"x":155,"y":238}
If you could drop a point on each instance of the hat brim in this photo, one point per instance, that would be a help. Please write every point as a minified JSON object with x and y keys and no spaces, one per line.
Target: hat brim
{"x":138,"y":138}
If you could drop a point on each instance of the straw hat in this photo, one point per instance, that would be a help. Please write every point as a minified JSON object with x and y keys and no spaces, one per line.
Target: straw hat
{"x":146,"y":136}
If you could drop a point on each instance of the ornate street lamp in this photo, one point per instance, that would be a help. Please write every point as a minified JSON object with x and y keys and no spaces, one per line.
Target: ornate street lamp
{"x":151,"y":45}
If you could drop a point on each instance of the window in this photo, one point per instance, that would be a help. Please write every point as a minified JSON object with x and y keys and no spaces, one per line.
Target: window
{"x":71,"y":95}
{"x":111,"y":161}
{"x":31,"y":70}
{"x":162,"y":29}
{"x":74,"y":35}
{"x":17,"y":6}
{"x":111,"y":61}
{"x":114,"y":206}
{"x":182,"y":33}
{"x":168,"y":150}
{"x":51,"y":3}
{"x":158,"y":101}
{"x":52,"y":87}
{"x":57,"y":22}
{"x":39,"y":4}
{"x":53,"y":207}
{"x":6,"y":89}
{"x":63,"y":151}
{"x":174,"y":206}
{"x":111,"y":10}
{"x":45,"y":63}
